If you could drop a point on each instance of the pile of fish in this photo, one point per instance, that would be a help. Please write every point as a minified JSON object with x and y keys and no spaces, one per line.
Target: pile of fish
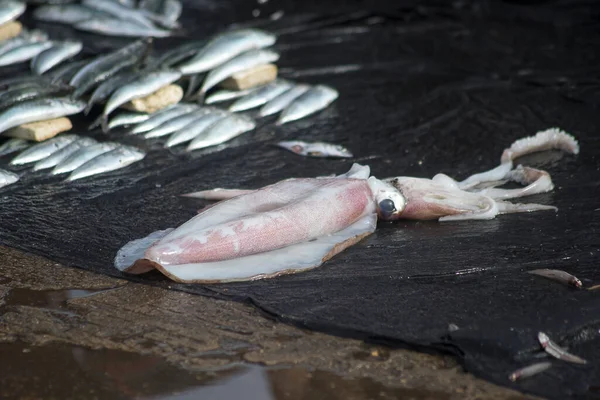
{"x":74,"y":154}
{"x":148,"y":18}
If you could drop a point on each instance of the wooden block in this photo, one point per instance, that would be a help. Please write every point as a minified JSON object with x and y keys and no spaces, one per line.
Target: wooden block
{"x":41,"y":130}
{"x":10,"y":30}
{"x":163,"y":97}
{"x":252,"y":77}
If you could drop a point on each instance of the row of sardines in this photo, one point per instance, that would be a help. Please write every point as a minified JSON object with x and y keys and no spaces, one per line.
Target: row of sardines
{"x":62,"y":83}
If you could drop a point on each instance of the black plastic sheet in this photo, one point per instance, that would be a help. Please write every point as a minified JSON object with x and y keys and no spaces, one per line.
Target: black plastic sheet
{"x":442,"y":87}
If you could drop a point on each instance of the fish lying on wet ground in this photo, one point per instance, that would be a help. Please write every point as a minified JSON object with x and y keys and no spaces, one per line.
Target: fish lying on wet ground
{"x":315,"y":99}
{"x":111,"y":160}
{"x":315,"y":149}
{"x":530,"y":370}
{"x":59,"y":52}
{"x":44,"y":149}
{"x":558,"y":276}
{"x":58,"y":156}
{"x":279,"y":103}
{"x":261,"y":96}
{"x":114,"y":18}
{"x":221,"y":131}
{"x":39,"y":110}
{"x":13,"y":145}
{"x":127,"y":118}
{"x":7,"y":178}
{"x":81,"y":156}
{"x":558,"y":352}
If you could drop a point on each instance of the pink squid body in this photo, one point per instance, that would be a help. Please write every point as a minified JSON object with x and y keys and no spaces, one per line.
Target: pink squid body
{"x":288,"y":212}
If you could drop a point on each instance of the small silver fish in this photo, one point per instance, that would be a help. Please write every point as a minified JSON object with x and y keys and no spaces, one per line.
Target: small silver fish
{"x":59,"y":52}
{"x":164,"y":115}
{"x":225,"y":95}
{"x":530,"y":370}
{"x":221,"y":131}
{"x":224,"y":47}
{"x":67,"y":13}
{"x":261,"y":96}
{"x":556,"y":351}
{"x":558,"y":275}
{"x":118,"y":27}
{"x":127,"y":118}
{"x":283,"y":100}
{"x":174,"y":124}
{"x":140,"y":87}
{"x":315,"y":99}
{"x":81,"y":156}
{"x":195,"y":128}
{"x":39,"y":110}
{"x":65,"y":72}
{"x":44,"y":149}
{"x":242,"y":62}
{"x":23,"y":53}
{"x":315,"y":149}
{"x":120,"y":11}
{"x":112,"y":160}
{"x":24,"y":38}
{"x":14,"y":96}
{"x":10,"y":10}
{"x":13,"y":145}
{"x":106,"y":88}
{"x":7,"y":178}
{"x":58,"y":156}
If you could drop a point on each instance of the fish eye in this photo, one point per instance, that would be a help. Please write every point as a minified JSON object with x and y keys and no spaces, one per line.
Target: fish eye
{"x":387,"y":207}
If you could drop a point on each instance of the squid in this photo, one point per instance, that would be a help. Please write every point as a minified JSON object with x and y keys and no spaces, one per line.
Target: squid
{"x":299,"y":223}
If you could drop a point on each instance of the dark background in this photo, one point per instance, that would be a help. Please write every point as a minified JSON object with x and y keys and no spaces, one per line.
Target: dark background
{"x":425,"y":87}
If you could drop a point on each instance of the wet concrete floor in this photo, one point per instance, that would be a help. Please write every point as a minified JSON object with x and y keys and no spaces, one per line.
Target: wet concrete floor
{"x":71,"y":334}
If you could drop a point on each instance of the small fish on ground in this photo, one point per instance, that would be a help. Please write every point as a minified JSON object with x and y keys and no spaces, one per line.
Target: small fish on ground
{"x":190,"y":131}
{"x":11,"y":10}
{"x":315,"y":149}
{"x":261,"y":96}
{"x":59,"y":52}
{"x":112,"y":160}
{"x":39,"y":110}
{"x":23,"y":53}
{"x":280,"y":102}
{"x":164,"y":115}
{"x":118,"y":27}
{"x":83,"y":155}
{"x":13,"y":145}
{"x":226,"y":95}
{"x":58,"y":156}
{"x":222,"y":131}
{"x":7,"y":178}
{"x":558,"y":352}
{"x":127,"y":118}
{"x":529,"y":370}
{"x":67,"y":13}
{"x":558,"y":276}
{"x":44,"y":149}
{"x":315,"y":99}
{"x":174,"y":124}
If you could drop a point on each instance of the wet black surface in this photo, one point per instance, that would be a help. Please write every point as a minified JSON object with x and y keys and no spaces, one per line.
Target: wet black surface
{"x":113,"y":374}
{"x":423,"y":89}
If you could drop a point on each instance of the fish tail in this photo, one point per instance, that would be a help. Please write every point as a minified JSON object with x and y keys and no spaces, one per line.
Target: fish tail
{"x":88,"y":108}
{"x":97,"y":122}
{"x":78,"y":92}
{"x":104,"y":123}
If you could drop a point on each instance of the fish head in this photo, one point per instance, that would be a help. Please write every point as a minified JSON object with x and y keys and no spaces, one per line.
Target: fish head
{"x":389,"y":200}
{"x":263,"y":39}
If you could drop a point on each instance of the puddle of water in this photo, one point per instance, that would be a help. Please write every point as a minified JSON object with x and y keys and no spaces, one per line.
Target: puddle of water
{"x":59,"y":370}
{"x":48,"y":299}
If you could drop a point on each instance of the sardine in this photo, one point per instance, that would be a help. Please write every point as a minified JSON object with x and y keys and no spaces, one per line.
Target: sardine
{"x":315,"y":149}
{"x":59,"y":52}
{"x":140,"y":87}
{"x":315,"y":99}
{"x":171,"y":11}
{"x":242,"y":62}
{"x":174,"y":124}
{"x":120,"y":11}
{"x":106,"y":88}
{"x":558,"y":276}
{"x":58,"y":156}
{"x":24,"y":38}
{"x":13,"y":145}
{"x":39,"y":110}
{"x":179,"y":53}
{"x":65,"y":72}
{"x":108,"y":65}
{"x":7,"y":178}
{"x":556,"y":351}
{"x":127,"y":118}
{"x":67,"y":13}
{"x":226,"y":46}
{"x":283,"y":100}
{"x":112,"y":160}
{"x":226,"y":95}
{"x":261,"y":96}
{"x":222,"y":131}
{"x":23,"y":53}
{"x":530,"y":370}
{"x":13,"y":97}
{"x":163,"y":115}
{"x":194,"y":129}
{"x":11,"y":10}
{"x":44,"y":149}
{"x":118,"y":27}
{"x":83,"y":155}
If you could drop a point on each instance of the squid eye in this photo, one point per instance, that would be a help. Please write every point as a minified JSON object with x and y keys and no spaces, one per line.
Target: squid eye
{"x":387,"y":208}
